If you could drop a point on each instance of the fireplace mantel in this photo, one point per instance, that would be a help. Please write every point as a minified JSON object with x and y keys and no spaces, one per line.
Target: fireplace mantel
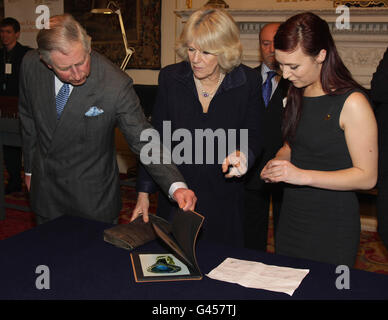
{"x":361,"y":46}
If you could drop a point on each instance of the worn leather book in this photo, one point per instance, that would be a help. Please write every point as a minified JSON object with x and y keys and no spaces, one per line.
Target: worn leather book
{"x":178,"y":264}
{"x":132,"y":235}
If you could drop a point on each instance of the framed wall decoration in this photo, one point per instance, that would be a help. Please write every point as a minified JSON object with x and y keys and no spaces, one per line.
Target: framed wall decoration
{"x":142,"y":21}
{"x":361,"y":4}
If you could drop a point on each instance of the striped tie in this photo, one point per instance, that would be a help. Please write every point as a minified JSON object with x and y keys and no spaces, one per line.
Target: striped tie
{"x":61,"y":99}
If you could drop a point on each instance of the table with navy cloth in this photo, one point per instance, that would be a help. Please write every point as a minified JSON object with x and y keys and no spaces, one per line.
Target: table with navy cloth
{"x":82,"y":265}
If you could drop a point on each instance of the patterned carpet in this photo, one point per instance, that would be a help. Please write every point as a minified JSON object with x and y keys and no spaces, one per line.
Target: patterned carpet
{"x":372,"y":255}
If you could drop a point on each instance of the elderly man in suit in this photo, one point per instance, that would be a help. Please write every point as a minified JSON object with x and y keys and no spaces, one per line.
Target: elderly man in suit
{"x":71,"y":100}
{"x":258,"y":194}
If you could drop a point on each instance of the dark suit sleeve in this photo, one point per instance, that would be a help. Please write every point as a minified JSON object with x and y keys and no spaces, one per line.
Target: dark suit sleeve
{"x":379,"y":82}
{"x":144,"y":182}
{"x":132,"y":123}
{"x":26,"y":118}
{"x":254,"y":119}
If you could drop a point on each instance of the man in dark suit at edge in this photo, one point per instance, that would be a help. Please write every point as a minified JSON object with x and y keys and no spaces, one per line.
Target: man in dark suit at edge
{"x":11,"y":55}
{"x":379,"y":96}
{"x":71,"y":100}
{"x":257,"y":193}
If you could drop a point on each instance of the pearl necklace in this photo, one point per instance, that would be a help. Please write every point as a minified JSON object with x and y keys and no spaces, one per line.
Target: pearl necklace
{"x":204,"y":93}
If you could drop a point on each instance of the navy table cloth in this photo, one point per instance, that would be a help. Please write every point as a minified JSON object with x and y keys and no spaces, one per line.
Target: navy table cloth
{"x":78,"y":264}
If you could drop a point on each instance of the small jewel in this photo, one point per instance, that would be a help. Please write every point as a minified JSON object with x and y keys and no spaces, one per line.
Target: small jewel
{"x":328,"y":116}
{"x":205,"y":94}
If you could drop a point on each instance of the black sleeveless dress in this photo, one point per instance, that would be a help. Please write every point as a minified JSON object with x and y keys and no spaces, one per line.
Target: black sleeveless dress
{"x":318,"y":224}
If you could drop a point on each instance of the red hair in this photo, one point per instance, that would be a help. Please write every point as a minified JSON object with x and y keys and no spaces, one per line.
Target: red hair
{"x":312,"y":34}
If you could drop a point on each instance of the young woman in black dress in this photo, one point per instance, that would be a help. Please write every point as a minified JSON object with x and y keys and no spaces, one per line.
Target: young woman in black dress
{"x":330,"y":146}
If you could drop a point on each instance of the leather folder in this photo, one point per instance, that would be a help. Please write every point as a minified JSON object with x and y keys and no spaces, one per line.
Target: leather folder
{"x":132,"y":235}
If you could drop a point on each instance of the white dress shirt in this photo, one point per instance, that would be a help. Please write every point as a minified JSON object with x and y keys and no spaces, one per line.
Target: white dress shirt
{"x":59,"y":84}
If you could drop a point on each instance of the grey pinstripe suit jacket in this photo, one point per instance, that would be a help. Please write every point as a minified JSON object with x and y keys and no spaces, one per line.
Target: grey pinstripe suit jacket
{"x":73,"y":160}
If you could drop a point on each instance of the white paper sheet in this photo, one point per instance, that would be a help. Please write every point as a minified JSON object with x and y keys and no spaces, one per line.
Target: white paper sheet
{"x":257,"y":275}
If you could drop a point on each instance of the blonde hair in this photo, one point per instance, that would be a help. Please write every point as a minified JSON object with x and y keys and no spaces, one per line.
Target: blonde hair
{"x":63,"y":32}
{"x":212,"y":30}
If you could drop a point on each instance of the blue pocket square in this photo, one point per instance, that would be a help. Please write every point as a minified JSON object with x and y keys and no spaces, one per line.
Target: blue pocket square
{"x":94,"y":111}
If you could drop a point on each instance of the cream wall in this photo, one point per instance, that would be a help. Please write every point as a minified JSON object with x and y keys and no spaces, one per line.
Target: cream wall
{"x":169,"y":26}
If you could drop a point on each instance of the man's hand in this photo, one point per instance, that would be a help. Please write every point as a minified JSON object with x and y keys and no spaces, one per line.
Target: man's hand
{"x":27,"y":180}
{"x":142,"y":206}
{"x":185,"y":198}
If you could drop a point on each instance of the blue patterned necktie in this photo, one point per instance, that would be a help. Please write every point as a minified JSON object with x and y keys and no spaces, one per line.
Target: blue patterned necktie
{"x":61,"y":98}
{"x":267,"y":87}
